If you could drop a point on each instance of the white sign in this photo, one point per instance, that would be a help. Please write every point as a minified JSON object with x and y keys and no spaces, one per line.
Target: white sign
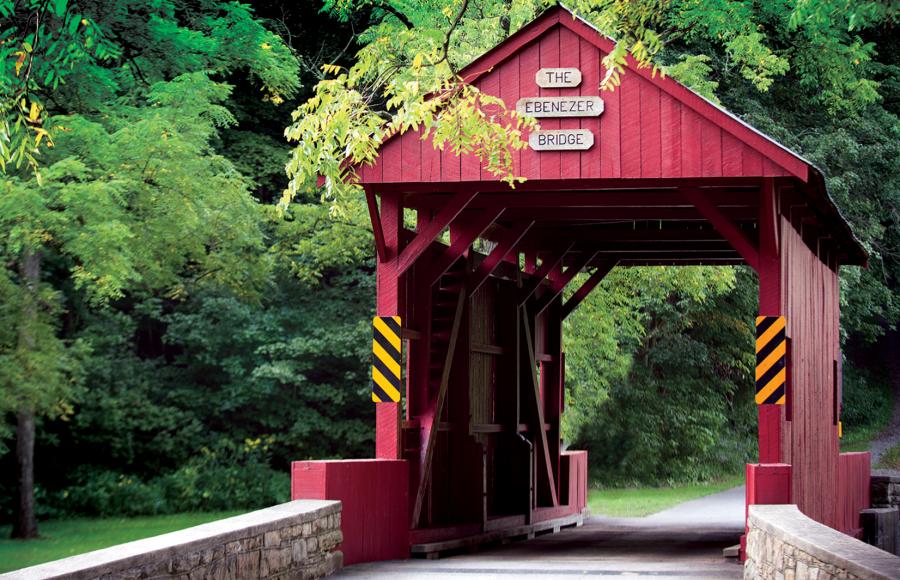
{"x":560,"y":106}
{"x":561,"y":140}
{"x":553,"y":78}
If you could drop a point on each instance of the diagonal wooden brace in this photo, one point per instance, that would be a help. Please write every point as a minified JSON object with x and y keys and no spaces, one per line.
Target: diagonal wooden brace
{"x":559,"y":283}
{"x":432,"y":229}
{"x":533,"y":395}
{"x":724,"y":226}
{"x":586,"y":288}
{"x":547,"y":266}
{"x":468,"y":228}
{"x":429,"y":421}
{"x":380,"y":247}
{"x":505,"y":247}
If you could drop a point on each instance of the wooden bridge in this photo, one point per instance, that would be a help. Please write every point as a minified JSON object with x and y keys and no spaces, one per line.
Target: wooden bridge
{"x":650,"y":174}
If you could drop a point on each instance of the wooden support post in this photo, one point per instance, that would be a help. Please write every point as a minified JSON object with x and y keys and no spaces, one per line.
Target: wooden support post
{"x":387,"y":415}
{"x":465,"y":230}
{"x":552,"y":381}
{"x":770,"y":304}
{"x":533,"y":397}
{"x":724,"y":226}
{"x":588,"y":286}
{"x":430,"y":231}
{"x":504,"y":247}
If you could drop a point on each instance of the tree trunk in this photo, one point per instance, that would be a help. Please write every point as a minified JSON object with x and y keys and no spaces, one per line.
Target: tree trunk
{"x":25,"y":524}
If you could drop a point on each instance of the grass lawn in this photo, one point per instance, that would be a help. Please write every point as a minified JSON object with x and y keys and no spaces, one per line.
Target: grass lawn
{"x":633,"y":502}
{"x":855,"y":446}
{"x":63,"y":538}
{"x":890,"y":459}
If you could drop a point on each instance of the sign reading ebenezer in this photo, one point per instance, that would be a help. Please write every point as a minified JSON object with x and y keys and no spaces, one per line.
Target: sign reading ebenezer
{"x":560,"y":106}
{"x":574,"y":106}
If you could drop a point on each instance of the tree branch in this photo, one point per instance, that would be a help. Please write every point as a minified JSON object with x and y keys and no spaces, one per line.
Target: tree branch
{"x":387,"y":7}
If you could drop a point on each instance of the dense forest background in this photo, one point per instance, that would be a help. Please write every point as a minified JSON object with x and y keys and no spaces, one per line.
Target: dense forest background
{"x":175,"y":338}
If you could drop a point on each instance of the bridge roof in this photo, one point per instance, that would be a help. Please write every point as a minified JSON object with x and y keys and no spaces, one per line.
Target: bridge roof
{"x":654,"y":140}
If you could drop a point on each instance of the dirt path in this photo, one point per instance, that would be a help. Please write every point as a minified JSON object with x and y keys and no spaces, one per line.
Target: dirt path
{"x":890,"y":436}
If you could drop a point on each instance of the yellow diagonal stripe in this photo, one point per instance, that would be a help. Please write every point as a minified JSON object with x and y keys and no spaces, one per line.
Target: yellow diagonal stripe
{"x":773,"y":357}
{"x":776,"y":327}
{"x":375,"y":398}
{"x":763,"y":394}
{"x":388,"y":360}
{"x":780,"y":401}
{"x":387,"y":333}
{"x":385,"y":385}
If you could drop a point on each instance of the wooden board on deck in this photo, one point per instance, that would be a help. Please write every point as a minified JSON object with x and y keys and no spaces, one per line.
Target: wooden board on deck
{"x":526,"y":531}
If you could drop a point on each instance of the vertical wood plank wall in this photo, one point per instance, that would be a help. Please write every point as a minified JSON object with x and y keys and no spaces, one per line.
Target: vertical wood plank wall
{"x":644,"y":132}
{"x":810,"y":304}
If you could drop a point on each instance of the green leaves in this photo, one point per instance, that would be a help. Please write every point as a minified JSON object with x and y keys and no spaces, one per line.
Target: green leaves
{"x":403,"y":79}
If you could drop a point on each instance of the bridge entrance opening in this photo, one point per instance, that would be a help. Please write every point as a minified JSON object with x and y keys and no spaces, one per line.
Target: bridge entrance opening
{"x":468,"y":445}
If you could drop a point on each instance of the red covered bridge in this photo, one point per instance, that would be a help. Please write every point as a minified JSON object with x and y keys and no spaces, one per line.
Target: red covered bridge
{"x":650,"y":174}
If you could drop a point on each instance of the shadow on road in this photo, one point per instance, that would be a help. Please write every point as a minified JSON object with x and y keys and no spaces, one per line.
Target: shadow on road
{"x":683,"y":542}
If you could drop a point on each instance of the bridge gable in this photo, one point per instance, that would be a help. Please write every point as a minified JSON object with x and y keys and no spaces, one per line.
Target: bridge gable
{"x":651,"y":127}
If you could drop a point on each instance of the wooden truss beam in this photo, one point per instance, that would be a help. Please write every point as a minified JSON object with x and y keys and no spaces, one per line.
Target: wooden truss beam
{"x":559,"y":282}
{"x":634,"y":235}
{"x":566,"y":215}
{"x":643,"y":246}
{"x":725,"y":226}
{"x":593,"y":280}
{"x":464,"y":230}
{"x":550,"y":263}
{"x":432,"y":229}
{"x":618,"y":198}
{"x":505,"y":246}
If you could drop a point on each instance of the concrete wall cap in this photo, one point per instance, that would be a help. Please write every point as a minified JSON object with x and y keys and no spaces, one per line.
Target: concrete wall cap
{"x":171,"y":545}
{"x":789,"y":524}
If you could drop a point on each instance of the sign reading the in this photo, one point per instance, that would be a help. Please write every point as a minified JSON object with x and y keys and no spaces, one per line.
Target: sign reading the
{"x":561,"y":140}
{"x":555,"y":78}
{"x":560,"y":106}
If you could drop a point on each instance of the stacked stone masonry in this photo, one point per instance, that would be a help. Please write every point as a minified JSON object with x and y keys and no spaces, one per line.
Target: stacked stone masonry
{"x":784,"y":544}
{"x":885,"y":491}
{"x":293,"y":540}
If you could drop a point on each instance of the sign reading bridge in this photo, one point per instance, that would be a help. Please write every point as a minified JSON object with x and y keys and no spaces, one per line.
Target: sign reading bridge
{"x":560,"y":106}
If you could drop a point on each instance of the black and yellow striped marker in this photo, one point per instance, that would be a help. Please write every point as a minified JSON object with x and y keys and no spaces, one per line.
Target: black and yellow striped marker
{"x":386,"y":347}
{"x":771,"y":353}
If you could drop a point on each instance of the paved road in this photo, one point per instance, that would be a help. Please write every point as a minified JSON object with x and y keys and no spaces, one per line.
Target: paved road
{"x":890,"y":436}
{"x":683,"y":542}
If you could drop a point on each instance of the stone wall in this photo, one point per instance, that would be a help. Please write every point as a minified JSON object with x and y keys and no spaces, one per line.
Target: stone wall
{"x":291,"y":540}
{"x":783,"y":543}
{"x":885,"y":491}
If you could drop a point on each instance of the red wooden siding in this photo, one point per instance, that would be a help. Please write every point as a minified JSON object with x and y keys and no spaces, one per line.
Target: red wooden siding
{"x":548,"y":58}
{"x":373,"y":497}
{"x":647,"y":130}
{"x":810,"y":443}
{"x":855,"y":491}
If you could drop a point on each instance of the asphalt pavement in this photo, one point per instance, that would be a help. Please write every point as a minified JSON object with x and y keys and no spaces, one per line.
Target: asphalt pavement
{"x":685,"y":541}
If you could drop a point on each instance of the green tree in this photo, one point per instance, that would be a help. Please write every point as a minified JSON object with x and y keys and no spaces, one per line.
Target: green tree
{"x":132,"y":195}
